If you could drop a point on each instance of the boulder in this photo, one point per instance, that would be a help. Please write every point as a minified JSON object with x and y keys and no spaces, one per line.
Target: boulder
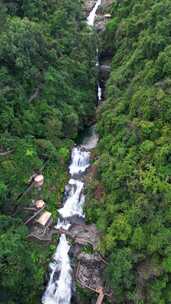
{"x":85,"y":234}
{"x":100,"y":23}
{"x":105,"y":71}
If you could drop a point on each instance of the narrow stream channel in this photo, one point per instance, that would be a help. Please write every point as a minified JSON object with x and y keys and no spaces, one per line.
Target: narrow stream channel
{"x":59,"y":289}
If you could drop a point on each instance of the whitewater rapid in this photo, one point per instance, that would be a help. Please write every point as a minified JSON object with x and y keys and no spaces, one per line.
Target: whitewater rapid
{"x":59,"y":288}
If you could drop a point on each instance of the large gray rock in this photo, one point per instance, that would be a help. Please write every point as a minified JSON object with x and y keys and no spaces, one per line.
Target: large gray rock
{"x":105,"y":71}
{"x":89,"y":259}
{"x":100,"y":23}
{"x":85,"y":234}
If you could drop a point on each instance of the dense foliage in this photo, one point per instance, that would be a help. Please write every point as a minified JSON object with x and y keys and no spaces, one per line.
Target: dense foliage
{"x":47,"y":83}
{"x":130,"y":198}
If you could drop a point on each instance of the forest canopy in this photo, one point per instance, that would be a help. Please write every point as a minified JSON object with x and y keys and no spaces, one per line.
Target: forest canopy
{"x":133,"y":161}
{"x":47,"y":84}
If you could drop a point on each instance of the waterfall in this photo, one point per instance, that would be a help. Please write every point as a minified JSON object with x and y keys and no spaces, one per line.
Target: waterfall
{"x":92,"y":15}
{"x":99,"y":89}
{"x":99,"y":93}
{"x":59,"y":289}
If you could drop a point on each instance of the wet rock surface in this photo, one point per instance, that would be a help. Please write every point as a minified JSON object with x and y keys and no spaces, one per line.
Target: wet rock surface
{"x":100,"y":23}
{"x":88,"y":267}
{"x":105,"y":71}
{"x":89,"y":5}
{"x":83,"y":234}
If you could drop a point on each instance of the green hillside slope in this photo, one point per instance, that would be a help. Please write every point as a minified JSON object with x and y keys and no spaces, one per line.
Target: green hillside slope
{"x":133,"y":163}
{"x":47,"y":84}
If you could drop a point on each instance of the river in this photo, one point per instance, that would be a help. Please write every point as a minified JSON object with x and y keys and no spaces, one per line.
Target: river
{"x":59,"y":288}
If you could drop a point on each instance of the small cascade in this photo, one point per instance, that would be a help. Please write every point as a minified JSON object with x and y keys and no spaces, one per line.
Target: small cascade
{"x":59,"y":289}
{"x":73,"y":205}
{"x":99,"y":93}
{"x":60,"y":284}
{"x":92,"y":15}
{"x":80,"y":161}
{"x":90,"y":141}
{"x":99,"y":89}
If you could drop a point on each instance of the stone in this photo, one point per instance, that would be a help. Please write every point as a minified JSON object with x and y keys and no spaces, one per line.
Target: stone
{"x":85,"y":234}
{"x":100,"y":24}
{"x":105,"y":71}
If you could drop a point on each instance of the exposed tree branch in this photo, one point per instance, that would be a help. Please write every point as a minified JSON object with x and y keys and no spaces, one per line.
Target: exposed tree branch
{"x":6,"y":153}
{"x":35,"y":95}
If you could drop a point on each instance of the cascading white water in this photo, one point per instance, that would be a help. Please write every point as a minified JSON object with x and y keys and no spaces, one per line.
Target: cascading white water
{"x":73,"y":205}
{"x":59,"y":289}
{"x":99,"y":89}
{"x":92,"y":15}
{"x":80,"y":161}
{"x":90,"y":141}
{"x":99,"y":93}
{"x":60,"y":284}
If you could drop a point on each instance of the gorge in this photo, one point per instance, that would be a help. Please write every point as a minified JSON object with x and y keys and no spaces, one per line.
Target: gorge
{"x":59,"y":289}
{"x":85,"y":152}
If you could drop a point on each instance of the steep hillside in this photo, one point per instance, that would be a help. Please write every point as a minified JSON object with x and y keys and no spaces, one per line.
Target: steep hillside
{"x":129,"y":194}
{"x":47,"y":83}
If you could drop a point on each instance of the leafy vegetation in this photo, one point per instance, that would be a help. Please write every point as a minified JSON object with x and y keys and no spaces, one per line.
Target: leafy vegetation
{"x":47,"y":83}
{"x":133,"y":161}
